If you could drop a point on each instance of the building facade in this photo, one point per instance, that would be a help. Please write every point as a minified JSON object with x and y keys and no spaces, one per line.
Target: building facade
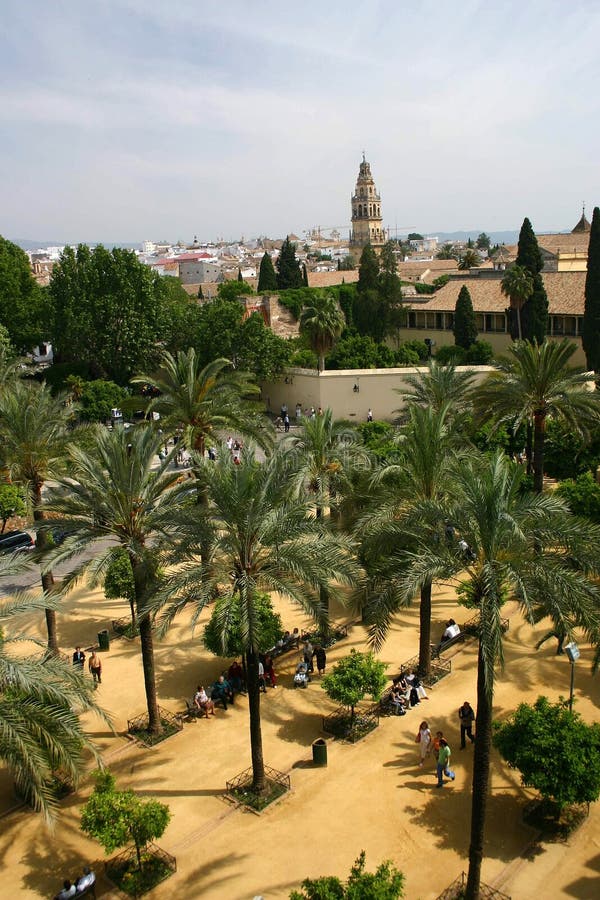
{"x":367,"y":221}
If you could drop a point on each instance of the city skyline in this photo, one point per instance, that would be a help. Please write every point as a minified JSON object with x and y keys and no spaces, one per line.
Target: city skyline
{"x":128,"y":120}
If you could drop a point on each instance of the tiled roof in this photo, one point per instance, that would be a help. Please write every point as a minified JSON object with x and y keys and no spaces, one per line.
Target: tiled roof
{"x":566,"y":294}
{"x":577,"y":241}
{"x":329,"y":279}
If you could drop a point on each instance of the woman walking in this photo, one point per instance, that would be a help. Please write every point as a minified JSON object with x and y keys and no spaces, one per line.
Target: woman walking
{"x":424,"y":740}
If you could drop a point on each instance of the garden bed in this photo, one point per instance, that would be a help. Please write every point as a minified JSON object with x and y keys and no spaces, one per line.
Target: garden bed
{"x":438,"y":670}
{"x":341,"y":726}
{"x":240,"y":789}
{"x":138,"y":728}
{"x":123,"y":871}
{"x":555,"y":825}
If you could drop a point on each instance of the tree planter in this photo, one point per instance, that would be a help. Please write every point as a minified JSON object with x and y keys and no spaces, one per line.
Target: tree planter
{"x":123,"y":871}
{"x":138,"y":728}
{"x":554,"y":824}
{"x":240,"y":789}
{"x":341,"y":725}
{"x":457,"y":889}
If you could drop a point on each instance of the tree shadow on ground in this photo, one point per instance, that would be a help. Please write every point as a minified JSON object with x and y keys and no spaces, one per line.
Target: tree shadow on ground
{"x":49,"y":863}
{"x":210,"y":876}
{"x":588,"y":886}
{"x":445,"y":809}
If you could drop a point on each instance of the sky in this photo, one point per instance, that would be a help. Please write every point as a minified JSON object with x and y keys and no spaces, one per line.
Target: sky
{"x":126,"y":120}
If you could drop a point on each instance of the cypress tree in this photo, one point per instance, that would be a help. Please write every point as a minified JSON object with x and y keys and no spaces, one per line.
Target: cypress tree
{"x":304,"y":276}
{"x":368,"y":271}
{"x":200,"y":294}
{"x":591,"y":315}
{"x":267,"y":280}
{"x":465,"y":327}
{"x":289,"y":274}
{"x":240,"y":277}
{"x":534,"y":315}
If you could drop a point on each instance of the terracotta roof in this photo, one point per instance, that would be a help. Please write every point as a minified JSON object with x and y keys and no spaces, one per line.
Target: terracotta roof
{"x":329,"y":279}
{"x":566,"y":294}
{"x":582,"y":225}
{"x":577,"y":241}
{"x":426,"y":270}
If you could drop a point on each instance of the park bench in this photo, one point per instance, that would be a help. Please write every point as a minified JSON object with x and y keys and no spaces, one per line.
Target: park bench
{"x":89,"y":891}
{"x":468,"y":630}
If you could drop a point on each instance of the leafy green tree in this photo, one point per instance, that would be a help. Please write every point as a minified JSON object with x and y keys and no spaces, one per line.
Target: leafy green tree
{"x":548,"y":731}
{"x":517,"y":285}
{"x":368,"y":271}
{"x":117,"y":818}
{"x":259,"y":350}
{"x":233,"y":290}
{"x":523,"y":546}
{"x":389,"y":283}
{"x":536,"y":382}
{"x":583,"y":496}
{"x":106,"y":308}
{"x":217,"y":329}
{"x":347,"y":264}
{"x":440,"y":281}
{"x":591,"y":315}
{"x":12,"y":503}
{"x":7,"y":351}
{"x":22,"y":303}
{"x":465,"y":325}
{"x":322,"y":323}
{"x":446,"y":251}
{"x":181,"y":313}
{"x":470,"y":259}
{"x":98,"y":398}
{"x":41,"y":701}
{"x":230,"y":641}
{"x":386,"y":883}
{"x":289,"y":273}
{"x":439,"y":386}
{"x":483,"y":242}
{"x":114,"y":492}
{"x":35,"y":430}
{"x":353,"y":678}
{"x":304,"y":275}
{"x":534,"y":312}
{"x":267,"y":279}
{"x":414,"y":236}
{"x":371,"y":315}
{"x":261,"y":537}
{"x":360,"y":352}
{"x":119,"y":583}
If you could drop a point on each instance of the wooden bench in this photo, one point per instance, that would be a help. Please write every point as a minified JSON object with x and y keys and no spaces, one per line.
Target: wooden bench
{"x":89,"y":891}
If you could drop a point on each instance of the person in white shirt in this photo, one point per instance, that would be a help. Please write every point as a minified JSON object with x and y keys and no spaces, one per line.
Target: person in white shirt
{"x":86,"y":880}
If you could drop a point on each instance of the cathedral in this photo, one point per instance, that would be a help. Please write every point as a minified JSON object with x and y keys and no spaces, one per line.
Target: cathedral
{"x":366,"y":213}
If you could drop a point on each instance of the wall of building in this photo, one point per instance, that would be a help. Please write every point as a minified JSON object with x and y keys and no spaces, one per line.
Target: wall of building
{"x":377,"y":390}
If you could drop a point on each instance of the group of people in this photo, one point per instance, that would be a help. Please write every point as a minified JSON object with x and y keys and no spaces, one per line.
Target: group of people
{"x":235,"y":447}
{"x":438,"y":746}
{"x":407,"y":691}
{"x":73,"y":888}
{"x":222,"y":691}
{"x":94,"y":664}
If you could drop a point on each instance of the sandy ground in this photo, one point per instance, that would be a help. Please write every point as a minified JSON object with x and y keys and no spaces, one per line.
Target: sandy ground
{"x":372,"y":796}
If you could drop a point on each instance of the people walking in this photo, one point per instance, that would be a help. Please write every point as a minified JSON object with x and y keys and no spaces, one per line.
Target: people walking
{"x":424,"y":740}
{"x":466,"y":717}
{"x":321,"y":658}
{"x":443,"y":763}
{"x":370,"y":415}
{"x":78,"y":657}
{"x":95,"y":667}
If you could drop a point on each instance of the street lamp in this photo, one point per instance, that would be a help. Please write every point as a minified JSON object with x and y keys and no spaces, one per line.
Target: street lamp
{"x":572,"y":651}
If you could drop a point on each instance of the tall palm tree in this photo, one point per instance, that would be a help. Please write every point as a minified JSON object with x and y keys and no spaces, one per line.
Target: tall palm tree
{"x":41,"y":701}
{"x":262,"y":538}
{"x":517,"y":285}
{"x":203,"y":400}
{"x":36,"y":435}
{"x":323,"y":323}
{"x":470,"y":259}
{"x":525,"y":547}
{"x":534,"y":382}
{"x":439,"y":386}
{"x":419,"y":487}
{"x":113,"y":494}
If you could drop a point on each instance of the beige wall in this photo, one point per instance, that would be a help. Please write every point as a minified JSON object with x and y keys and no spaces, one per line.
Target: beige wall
{"x":335,"y":390}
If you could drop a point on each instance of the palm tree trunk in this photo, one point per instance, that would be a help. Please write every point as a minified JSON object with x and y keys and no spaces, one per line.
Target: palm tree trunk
{"x":48,"y":578}
{"x":321,"y":362}
{"x":528,"y":446}
{"x":425,"y":630}
{"x":147,"y":646}
{"x":539,"y":438}
{"x":481,"y":778}
{"x":256,"y":749}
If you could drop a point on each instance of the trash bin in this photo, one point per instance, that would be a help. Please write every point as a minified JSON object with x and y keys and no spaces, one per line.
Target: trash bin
{"x":319,"y":751}
{"x":103,"y":641}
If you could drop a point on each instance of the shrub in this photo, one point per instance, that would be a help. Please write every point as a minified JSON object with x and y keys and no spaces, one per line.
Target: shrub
{"x":450,"y":353}
{"x":387,"y":883}
{"x":583,"y":496}
{"x":479,"y":353}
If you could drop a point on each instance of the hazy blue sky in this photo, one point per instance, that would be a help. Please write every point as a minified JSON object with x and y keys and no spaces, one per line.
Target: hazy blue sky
{"x":124,"y":120}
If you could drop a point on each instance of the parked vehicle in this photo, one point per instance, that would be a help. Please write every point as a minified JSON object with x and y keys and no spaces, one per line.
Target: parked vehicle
{"x":11,"y":541}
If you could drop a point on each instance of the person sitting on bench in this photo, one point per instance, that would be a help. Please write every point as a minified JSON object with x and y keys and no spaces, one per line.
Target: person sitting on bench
{"x":69,"y":890}
{"x":221,"y":691}
{"x":451,"y":631}
{"x":86,"y":880}
{"x":202,"y":702}
{"x":398,"y":698}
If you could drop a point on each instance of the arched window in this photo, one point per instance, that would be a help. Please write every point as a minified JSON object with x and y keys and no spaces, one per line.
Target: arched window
{"x":370,"y":210}
{"x":370,"y":191}
{"x":362,"y":193}
{"x":359,"y":209}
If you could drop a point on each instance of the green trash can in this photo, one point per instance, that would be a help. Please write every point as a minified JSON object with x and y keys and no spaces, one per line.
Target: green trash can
{"x":319,"y":752}
{"x":103,"y":641}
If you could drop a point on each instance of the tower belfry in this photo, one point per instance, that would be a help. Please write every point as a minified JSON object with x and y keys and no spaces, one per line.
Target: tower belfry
{"x":367,"y":221}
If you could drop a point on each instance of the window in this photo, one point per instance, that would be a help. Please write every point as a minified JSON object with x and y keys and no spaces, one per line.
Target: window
{"x":479,"y":321}
{"x":570,"y":325}
{"x":557,"y":325}
{"x":439,"y":321}
{"x":412,"y":319}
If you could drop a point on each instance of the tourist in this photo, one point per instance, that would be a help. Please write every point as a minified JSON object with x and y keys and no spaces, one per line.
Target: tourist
{"x":398,"y":698}
{"x":235,"y":676}
{"x":308,"y":653}
{"x":435,"y":744}
{"x":286,"y":423}
{"x":269,"y":670}
{"x":221,"y":691}
{"x":78,"y":657}
{"x":416,"y":690}
{"x":451,"y":631}
{"x":443,"y":763}
{"x":262,"y":686}
{"x":229,"y":443}
{"x":202,"y":702}
{"x":95,"y":667}
{"x":466,"y":717}
{"x":370,"y":415}
{"x":86,"y":880}
{"x":321,"y":658}
{"x":423,"y":739}
{"x":69,"y":890}
{"x":298,"y":413}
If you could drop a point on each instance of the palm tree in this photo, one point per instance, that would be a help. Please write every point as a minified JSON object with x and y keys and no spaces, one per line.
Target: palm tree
{"x":536,"y":381}
{"x":470,"y":259}
{"x":41,"y":701}
{"x":262,"y":538}
{"x":323,"y":323}
{"x":524,"y":547}
{"x":517,"y":285}
{"x":35,"y":433}
{"x":203,"y":400}
{"x":419,"y":486}
{"x":113,"y":494}
{"x":439,"y":386}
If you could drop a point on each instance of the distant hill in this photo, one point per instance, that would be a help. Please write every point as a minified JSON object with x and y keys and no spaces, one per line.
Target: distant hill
{"x":26,"y":244}
{"x":496,"y":237}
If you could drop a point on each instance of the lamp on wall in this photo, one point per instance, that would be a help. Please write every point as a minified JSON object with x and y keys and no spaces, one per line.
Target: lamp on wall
{"x":289,"y":379}
{"x":356,"y":387}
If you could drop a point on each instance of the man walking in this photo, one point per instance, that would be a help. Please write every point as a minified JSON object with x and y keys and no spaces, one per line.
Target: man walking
{"x":443,"y":763}
{"x":466,"y":717}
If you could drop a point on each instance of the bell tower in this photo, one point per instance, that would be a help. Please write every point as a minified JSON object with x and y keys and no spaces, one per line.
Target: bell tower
{"x":367,"y":221}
